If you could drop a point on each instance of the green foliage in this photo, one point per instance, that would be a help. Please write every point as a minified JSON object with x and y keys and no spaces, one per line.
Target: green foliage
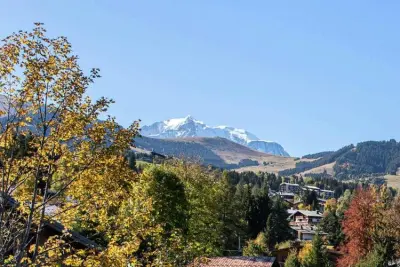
{"x":169,"y":199}
{"x":131,"y":157}
{"x":318,"y":155}
{"x":374,"y":258}
{"x":257,"y":247}
{"x":310,"y":198}
{"x":318,"y":256}
{"x":277,"y":229}
{"x":252,"y":178}
{"x":331,"y":224}
{"x":343,"y":203}
{"x":231,"y":215}
{"x":308,"y":165}
{"x":369,"y":157}
{"x":291,"y":260}
{"x":259,"y":208}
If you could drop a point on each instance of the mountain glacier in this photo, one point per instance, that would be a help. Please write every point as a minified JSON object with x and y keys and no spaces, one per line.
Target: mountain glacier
{"x":190,"y":127}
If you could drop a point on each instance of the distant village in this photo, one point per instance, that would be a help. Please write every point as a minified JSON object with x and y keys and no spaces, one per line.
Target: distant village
{"x":303,"y":222}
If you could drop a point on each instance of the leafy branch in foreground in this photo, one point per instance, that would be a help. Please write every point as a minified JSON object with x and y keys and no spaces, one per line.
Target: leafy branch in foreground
{"x":56,"y":153}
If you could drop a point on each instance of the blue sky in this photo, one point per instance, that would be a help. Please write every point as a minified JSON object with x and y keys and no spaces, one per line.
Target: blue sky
{"x":311,"y":75}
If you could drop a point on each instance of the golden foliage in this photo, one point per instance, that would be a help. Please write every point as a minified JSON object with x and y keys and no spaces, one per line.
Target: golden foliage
{"x":52,"y":140}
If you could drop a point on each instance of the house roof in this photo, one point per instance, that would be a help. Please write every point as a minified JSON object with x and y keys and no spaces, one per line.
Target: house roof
{"x":58,"y":227}
{"x":238,"y":261}
{"x":308,"y":213}
{"x":286,"y":194}
{"x":291,"y":211}
{"x":312,"y":187}
{"x":75,"y":236}
{"x":328,"y":191}
{"x":290,"y":184}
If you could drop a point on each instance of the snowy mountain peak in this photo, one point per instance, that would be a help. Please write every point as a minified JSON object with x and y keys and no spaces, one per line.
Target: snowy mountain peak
{"x":190,"y":127}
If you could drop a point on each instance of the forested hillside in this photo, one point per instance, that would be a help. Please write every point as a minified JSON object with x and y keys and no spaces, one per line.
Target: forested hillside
{"x":317,"y":155}
{"x":307,"y":165}
{"x":371,"y":157}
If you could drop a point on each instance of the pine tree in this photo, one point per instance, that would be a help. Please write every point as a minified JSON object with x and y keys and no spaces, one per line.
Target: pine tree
{"x":330,"y":224}
{"x":318,"y":256}
{"x":132,"y":161}
{"x":277,"y":227}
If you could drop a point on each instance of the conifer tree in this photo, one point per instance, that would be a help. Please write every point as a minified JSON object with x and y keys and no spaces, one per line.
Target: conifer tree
{"x":317,"y":257}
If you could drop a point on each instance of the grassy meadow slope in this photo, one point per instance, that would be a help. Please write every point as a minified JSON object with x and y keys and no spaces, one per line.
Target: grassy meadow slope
{"x":216,"y":151}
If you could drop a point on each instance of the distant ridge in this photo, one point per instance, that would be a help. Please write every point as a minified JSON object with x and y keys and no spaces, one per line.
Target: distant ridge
{"x":215,"y":151}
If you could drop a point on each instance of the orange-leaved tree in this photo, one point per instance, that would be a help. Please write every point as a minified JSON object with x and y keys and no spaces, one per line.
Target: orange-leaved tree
{"x":359,"y":225}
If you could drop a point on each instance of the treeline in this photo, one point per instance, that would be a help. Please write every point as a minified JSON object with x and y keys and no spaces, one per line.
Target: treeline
{"x":320,"y":180}
{"x":308,"y":165}
{"x":254,"y":179}
{"x":366,"y":158}
{"x":317,"y":155}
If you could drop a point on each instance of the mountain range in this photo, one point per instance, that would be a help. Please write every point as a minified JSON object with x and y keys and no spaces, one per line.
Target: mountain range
{"x":190,"y":127}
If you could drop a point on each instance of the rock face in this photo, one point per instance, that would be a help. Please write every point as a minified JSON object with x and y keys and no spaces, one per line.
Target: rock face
{"x":190,"y":127}
{"x":268,"y":147}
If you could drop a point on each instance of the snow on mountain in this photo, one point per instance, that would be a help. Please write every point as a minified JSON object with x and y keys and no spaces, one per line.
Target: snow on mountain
{"x":190,"y":127}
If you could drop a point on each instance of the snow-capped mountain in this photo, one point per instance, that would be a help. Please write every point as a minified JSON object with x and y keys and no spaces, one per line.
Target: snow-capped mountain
{"x":189,"y":127}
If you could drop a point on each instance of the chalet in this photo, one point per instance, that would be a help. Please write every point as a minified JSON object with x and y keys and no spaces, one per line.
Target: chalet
{"x":327,"y":194}
{"x":311,"y":188}
{"x":291,"y":211}
{"x":306,"y":233}
{"x":305,"y":218}
{"x":236,"y":261}
{"x":289,"y":197}
{"x":289,"y":188}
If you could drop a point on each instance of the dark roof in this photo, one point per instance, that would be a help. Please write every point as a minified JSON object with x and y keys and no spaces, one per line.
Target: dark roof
{"x":58,"y":227}
{"x":238,"y":261}
{"x":308,"y":213}
{"x":289,"y":184}
{"x":75,"y":236}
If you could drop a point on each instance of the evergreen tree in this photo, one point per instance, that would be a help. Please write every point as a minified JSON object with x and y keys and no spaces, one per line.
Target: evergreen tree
{"x":230,"y":217}
{"x":331,"y":225}
{"x":132,"y":161}
{"x":259,"y":210}
{"x":318,"y":256}
{"x":277,"y":227}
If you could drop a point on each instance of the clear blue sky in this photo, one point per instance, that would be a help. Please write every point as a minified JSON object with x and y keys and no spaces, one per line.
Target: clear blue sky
{"x":311,"y":75}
